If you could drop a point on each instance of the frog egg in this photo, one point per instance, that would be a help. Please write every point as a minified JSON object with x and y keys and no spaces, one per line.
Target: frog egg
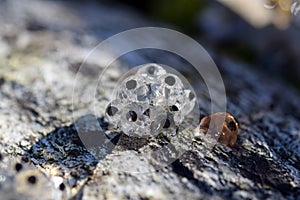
{"x":172,"y":82}
{"x":113,"y":112}
{"x":190,"y":101}
{"x":143,"y":93}
{"x":132,"y":120}
{"x":169,"y":126}
{"x":133,"y":89}
{"x":158,"y":94}
{"x":158,"y":116}
{"x":151,"y":71}
{"x":176,"y":104}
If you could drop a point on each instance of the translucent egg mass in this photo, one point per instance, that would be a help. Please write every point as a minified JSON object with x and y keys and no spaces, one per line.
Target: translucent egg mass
{"x":149,"y":100}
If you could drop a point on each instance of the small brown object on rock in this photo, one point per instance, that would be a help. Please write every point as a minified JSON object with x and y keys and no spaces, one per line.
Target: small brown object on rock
{"x":216,"y":122}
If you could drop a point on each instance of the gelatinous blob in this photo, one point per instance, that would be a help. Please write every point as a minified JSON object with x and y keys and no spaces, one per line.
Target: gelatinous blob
{"x":170,"y":80}
{"x":151,"y":71}
{"x":174,"y":108}
{"x":131,"y":116}
{"x":32,"y":179}
{"x":229,"y":127}
{"x":131,"y":84}
{"x":191,"y":95}
{"x":150,"y":102}
{"x":113,"y":113}
{"x":167,"y":124}
{"x":111,"y":110}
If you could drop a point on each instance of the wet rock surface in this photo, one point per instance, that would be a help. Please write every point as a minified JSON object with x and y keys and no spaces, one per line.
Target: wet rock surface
{"x":40,"y":57}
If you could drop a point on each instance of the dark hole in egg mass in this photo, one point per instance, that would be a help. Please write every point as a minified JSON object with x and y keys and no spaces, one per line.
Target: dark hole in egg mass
{"x":32,"y":179}
{"x":191,"y":95}
{"x":62,"y":186}
{"x":167,"y":123}
{"x":147,"y":112}
{"x":151,"y":70}
{"x":174,"y":108}
{"x":18,"y":167}
{"x":231,"y":125}
{"x":25,"y":159}
{"x":170,"y":80}
{"x":1,"y":157}
{"x":131,"y":116}
{"x":111,"y":110}
{"x":130,"y":85}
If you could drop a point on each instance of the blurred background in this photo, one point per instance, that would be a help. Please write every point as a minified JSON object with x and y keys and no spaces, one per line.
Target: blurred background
{"x":263,"y":33}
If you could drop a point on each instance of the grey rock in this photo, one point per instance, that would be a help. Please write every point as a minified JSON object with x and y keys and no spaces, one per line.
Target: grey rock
{"x":45,"y":42}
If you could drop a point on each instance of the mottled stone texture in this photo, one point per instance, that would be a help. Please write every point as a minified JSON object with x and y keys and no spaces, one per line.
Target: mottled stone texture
{"x":42,"y":46}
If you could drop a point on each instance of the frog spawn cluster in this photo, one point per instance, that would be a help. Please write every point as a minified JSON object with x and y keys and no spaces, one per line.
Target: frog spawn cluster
{"x":150,"y":102}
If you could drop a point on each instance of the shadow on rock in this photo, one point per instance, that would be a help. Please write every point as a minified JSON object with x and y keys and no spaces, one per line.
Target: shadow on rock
{"x":73,"y":151}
